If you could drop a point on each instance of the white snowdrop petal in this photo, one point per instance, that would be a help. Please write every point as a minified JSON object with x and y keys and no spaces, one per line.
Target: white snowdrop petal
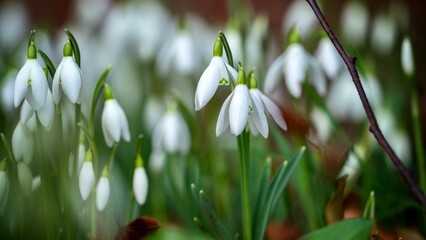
{"x":295,"y":69}
{"x":25,"y":178}
{"x":102,"y":193}
{"x":274,"y":73}
{"x":71,"y":79}
{"x":124,"y":125}
{"x":140,"y":185}
{"x":407,"y":57}
{"x":37,"y":95}
{"x":171,"y":136}
{"x":232,"y":73}
{"x":253,"y":127}
{"x":157,"y":160}
{"x":329,"y":58}
{"x":223,"y":118}
{"x":258,"y":116}
{"x":56,"y":88}
{"x":22,"y":144}
{"x":47,"y":113}
{"x":273,"y":110}
{"x":21,"y":84}
{"x":208,"y":84}
{"x":86,"y":180}
{"x":239,"y":109}
{"x":111,"y":122}
{"x":26,"y":112}
{"x":317,"y":77}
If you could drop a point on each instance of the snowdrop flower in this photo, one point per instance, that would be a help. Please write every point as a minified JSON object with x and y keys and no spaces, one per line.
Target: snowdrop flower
{"x":45,"y":115}
{"x":36,"y":183}
{"x":114,"y":120}
{"x":300,"y":16}
{"x":268,"y":104}
{"x":171,"y":135}
{"x":102,"y":191}
{"x":321,"y":123}
{"x":355,"y":22}
{"x":86,"y":179}
{"x":140,"y":181}
{"x":384,"y":32}
{"x":31,"y":82}
{"x":236,"y":109}
{"x":67,"y":78}
{"x":179,"y":54}
{"x":217,"y":73}
{"x":293,"y":64}
{"x":25,"y":178}
{"x":22,"y":144}
{"x":6,"y":91}
{"x":328,"y":58}
{"x":407,"y":57}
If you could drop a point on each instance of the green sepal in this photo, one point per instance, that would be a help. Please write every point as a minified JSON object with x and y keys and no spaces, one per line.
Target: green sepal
{"x":241,"y":79}
{"x":293,"y":36}
{"x":108,"y":92}
{"x":252,"y":80}
{"x":48,"y":63}
{"x":218,"y":48}
{"x":32,"y":51}
{"x":75,"y":47}
{"x":89,"y":156}
{"x":67,"y":49}
{"x":139,"y":161}
{"x":105,"y":172}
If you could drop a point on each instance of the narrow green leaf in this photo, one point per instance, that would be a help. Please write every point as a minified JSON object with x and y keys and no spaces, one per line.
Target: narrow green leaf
{"x":227,"y":49}
{"x":369,"y":209}
{"x":8,"y":148}
{"x":279,"y":182}
{"x":75,"y":48}
{"x":96,"y":95}
{"x":48,"y":63}
{"x":217,"y":226}
{"x":350,"y":229}
{"x":261,"y":193}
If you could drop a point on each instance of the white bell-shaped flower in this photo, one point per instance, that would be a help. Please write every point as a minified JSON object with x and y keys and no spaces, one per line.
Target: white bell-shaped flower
{"x":328,"y":58}
{"x":25,"y":178}
{"x":140,"y":181}
{"x":407,"y":60}
{"x":293,"y":64}
{"x":300,"y":16}
{"x":22,"y":143}
{"x":355,"y":31}
{"x":236,"y":109}
{"x":31,"y":82}
{"x":217,"y":73}
{"x":102,"y":190}
{"x":67,"y":78}
{"x":268,"y":105}
{"x":114,"y":120}
{"x":384,"y":33}
{"x":45,"y":115}
{"x":86,"y":180}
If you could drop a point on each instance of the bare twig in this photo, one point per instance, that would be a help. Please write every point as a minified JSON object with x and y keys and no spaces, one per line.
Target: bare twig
{"x":374,"y":127}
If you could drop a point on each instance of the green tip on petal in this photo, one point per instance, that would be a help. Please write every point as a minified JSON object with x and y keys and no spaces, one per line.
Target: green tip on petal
{"x":252,"y":80}
{"x":293,"y":36}
{"x":108,"y":92}
{"x":105,"y":172}
{"x":3,"y":165}
{"x":139,"y":161}
{"x":241,"y":79}
{"x":32,"y":51}
{"x":89,"y":156}
{"x":67,"y":49}
{"x":218,"y":48}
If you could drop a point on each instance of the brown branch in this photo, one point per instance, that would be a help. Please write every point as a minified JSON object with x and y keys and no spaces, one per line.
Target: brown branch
{"x":374,"y":127}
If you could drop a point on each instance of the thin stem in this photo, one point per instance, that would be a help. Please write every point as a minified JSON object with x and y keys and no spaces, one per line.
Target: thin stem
{"x":374,"y":127}
{"x":243,"y":149}
{"x":76,"y":137}
{"x":111,"y":158}
{"x":418,"y":139}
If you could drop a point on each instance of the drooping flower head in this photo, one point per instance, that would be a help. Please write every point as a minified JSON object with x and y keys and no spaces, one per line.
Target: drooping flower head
{"x":140,"y":181}
{"x":86,"y":179}
{"x":102,"y":190}
{"x":267,"y":105}
{"x":114,"y":120}
{"x":217,"y":73}
{"x":68,"y":78}
{"x":407,"y":60}
{"x":31,"y":82}
{"x":237,"y":107}
{"x":293,"y":64}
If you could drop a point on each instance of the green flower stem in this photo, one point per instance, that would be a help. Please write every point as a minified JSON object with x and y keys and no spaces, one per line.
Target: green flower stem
{"x":76,"y":137}
{"x":418,"y":139}
{"x":111,"y":158}
{"x":243,"y":149}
